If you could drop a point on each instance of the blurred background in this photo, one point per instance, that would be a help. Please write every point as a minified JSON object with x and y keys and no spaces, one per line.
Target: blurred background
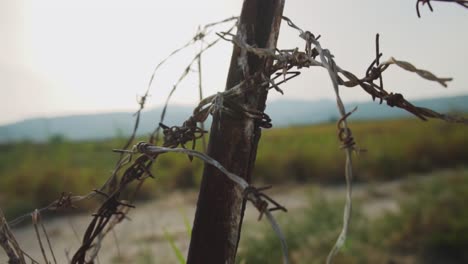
{"x":71,"y":73}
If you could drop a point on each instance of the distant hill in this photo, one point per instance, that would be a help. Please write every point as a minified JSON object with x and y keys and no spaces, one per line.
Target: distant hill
{"x":282,"y":112}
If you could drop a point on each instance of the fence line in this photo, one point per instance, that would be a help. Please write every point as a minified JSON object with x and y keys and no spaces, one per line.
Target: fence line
{"x":137,"y":162}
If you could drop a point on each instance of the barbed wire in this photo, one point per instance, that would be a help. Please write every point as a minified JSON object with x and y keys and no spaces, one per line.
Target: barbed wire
{"x":114,"y":208}
{"x":463,"y":3}
{"x":286,"y":60}
{"x":104,"y":220}
{"x":345,"y":136}
{"x":200,"y":93}
{"x":67,"y":201}
{"x":260,"y":200}
{"x":36,"y":218}
{"x":199,"y":37}
{"x":9,"y":243}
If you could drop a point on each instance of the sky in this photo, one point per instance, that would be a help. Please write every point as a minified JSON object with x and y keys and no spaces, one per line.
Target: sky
{"x":70,"y":57}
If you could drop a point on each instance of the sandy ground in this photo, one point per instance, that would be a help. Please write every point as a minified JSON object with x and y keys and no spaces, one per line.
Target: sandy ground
{"x":144,"y":233}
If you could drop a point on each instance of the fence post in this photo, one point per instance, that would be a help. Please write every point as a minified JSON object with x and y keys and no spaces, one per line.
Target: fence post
{"x":233,"y":142}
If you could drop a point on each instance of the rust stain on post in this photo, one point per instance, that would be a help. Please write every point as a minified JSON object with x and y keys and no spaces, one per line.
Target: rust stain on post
{"x":233,"y":142}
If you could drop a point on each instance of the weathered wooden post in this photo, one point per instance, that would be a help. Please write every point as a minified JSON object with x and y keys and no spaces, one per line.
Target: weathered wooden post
{"x":233,"y":142}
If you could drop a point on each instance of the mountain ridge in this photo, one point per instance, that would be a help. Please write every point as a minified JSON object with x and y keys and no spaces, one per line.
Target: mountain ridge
{"x":283,"y":112}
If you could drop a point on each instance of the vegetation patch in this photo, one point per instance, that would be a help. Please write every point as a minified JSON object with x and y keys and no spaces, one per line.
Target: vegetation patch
{"x":430,"y":227}
{"x":41,"y":171}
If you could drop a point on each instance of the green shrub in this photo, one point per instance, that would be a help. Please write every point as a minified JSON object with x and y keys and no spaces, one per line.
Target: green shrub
{"x":433,"y":222}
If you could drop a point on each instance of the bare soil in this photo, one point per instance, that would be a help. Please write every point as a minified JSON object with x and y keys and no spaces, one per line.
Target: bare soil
{"x":143,"y":234}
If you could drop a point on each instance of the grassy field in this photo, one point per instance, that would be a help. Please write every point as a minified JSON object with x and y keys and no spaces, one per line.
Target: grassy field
{"x":430,"y":227}
{"x":33,"y":174}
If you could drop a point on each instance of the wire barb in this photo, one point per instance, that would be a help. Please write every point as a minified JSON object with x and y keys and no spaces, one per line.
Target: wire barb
{"x":462,"y":3}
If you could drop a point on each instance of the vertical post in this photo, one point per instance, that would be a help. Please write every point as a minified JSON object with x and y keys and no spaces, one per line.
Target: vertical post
{"x":233,"y":142}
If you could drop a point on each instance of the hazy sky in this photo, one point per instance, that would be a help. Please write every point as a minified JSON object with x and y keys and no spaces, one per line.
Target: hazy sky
{"x":64,"y":57}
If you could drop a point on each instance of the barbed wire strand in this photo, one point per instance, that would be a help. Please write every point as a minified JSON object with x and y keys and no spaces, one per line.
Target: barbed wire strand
{"x":200,"y":93}
{"x":422,"y":73}
{"x":112,"y":181}
{"x":9,"y":243}
{"x":392,"y":99}
{"x":35,"y":219}
{"x":192,"y":41}
{"x":327,"y":60}
{"x":258,"y":199}
{"x":333,"y":69}
{"x":200,"y":35}
{"x":279,"y":233}
{"x":186,"y":71}
{"x":463,"y":3}
{"x":124,"y":158}
{"x":113,"y":210}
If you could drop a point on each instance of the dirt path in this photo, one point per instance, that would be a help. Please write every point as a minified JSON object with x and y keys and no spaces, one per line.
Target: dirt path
{"x":142,"y":240}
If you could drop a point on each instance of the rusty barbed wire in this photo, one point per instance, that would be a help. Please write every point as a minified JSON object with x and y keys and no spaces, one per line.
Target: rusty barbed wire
{"x":200,"y":93}
{"x":144,"y":163}
{"x":65,"y":201}
{"x":114,"y":209}
{"x":262,"y":206}
{"x":134,"y":172}
{"x":463,"y":3}
{"x":9,"y":243}
{"x":423,"y":73}
{"x":260,"y":200}
{"x":180,"y":135}
{"x":200,"y":34}
{"x":373,"y":73}
{"x":344,"y":133}
{"x":154,"y":136}
{"x":327,"y":59}
{"x":108,"y":209}
{"x":36,"y":218}
{"x":107,"y":216}
{"x":285,"y":61}
{"x":222,"y":102}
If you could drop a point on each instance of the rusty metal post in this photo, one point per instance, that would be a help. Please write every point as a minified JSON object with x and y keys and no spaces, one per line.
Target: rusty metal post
{"x":233,"y":142}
